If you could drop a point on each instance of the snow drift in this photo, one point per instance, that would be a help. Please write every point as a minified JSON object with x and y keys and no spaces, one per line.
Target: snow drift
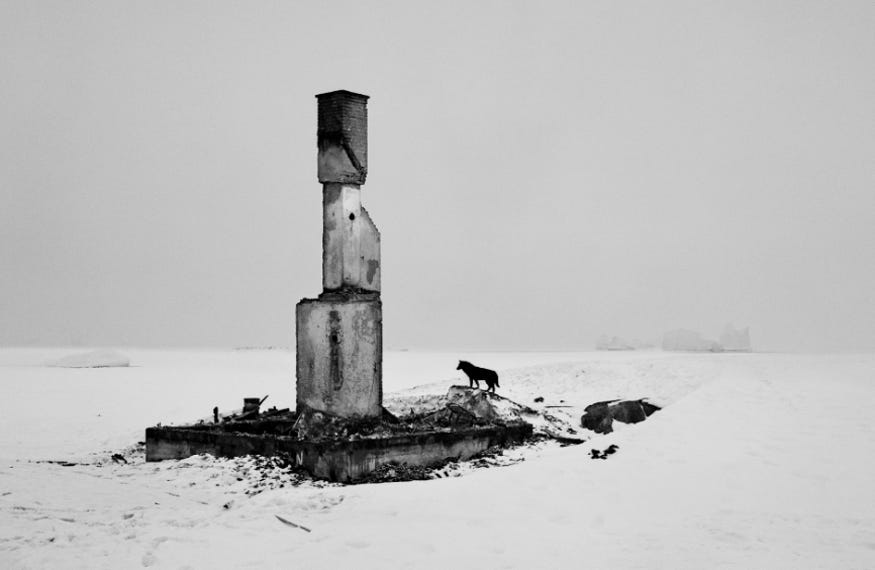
{"x":755,"y":461}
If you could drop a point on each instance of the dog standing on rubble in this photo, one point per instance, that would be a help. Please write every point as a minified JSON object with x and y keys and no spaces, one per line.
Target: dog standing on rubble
{"x":476,"y":374}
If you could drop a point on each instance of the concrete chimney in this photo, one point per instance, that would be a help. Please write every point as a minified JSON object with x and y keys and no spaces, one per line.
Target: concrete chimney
{"x":340,"y":334}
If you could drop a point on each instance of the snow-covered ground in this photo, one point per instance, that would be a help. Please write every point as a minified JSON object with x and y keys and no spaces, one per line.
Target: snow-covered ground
{"x":756,"y":461}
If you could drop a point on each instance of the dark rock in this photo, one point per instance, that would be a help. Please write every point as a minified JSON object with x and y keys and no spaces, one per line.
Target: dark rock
{"x":648,"y":407}
{"x":610,"y":450}
{"x":599,"y":417}
{"x":628,"y":412}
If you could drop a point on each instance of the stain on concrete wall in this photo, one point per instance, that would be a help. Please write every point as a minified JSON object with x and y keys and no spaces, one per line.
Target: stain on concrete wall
{"x":335,"y":342}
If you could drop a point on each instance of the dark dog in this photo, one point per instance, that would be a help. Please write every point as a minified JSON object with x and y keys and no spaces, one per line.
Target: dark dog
{"x":476,"y":374}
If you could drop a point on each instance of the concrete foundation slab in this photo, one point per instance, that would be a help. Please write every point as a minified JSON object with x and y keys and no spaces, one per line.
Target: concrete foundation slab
{"x":336,"y":460}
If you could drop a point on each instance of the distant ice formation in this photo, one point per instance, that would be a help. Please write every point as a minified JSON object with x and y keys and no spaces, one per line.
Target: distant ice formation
{"x":683,"y":339}
{"x":735,"y":340}
{"x":731,"y":340}
{"x":94,"y":359}
{"x":605,"y":342}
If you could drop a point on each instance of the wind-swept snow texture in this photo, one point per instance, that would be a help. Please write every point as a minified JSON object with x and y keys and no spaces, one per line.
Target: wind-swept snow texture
{"x":755,"y":461}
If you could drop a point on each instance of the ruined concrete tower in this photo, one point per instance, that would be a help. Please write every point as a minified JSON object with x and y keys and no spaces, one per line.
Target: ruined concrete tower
{"x":340,"y":333}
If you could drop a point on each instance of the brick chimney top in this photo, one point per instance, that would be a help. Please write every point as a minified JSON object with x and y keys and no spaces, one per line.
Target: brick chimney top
{"x":342,"y":92}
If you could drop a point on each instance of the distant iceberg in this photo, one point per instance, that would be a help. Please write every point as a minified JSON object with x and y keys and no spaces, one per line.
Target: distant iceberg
{"x":735,"y":340}
{"x":605,"y":342}
{"x":687,"y":340}
{"x":94,"y":359}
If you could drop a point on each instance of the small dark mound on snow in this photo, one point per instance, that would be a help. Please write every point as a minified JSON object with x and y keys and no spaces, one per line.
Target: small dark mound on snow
{"x":610,"y":450}
{"x":599,"y":417}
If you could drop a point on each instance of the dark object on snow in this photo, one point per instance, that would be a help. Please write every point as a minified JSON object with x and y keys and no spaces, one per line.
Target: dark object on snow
{"x":251,"y":405}
{"x":476,"y":374}
{"x":216,"y":414}
{"x":648,"y":407}
{"x":290,"y":523}
{"x":610,"y":450}
{"x":539,"y":399}
{"x":273,"y":412}
{"x":599,"y":417}
{"x":118,"y":458}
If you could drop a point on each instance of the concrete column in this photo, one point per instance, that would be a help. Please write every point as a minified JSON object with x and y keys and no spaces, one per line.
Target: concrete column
{"x":369,"y":253}
{"x":340,"y":357}
{"x":350,"y":241}
{"x":341,"y":241}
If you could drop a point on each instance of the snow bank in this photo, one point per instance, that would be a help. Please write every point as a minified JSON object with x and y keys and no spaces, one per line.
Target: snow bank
{"x":93,"y":359}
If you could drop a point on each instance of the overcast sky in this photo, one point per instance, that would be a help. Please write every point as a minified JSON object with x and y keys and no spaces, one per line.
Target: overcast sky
{"x":541,"y":172}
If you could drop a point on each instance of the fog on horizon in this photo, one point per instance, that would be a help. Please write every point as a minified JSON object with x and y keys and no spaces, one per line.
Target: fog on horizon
{"x":541,"y":173}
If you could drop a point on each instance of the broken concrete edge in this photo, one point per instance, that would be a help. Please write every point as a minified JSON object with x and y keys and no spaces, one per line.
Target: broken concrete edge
{"x":343,"y":295}
{"x":201,"y":434}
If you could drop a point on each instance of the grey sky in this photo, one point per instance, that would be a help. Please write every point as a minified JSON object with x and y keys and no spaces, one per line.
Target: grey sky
{"x":541,"y":172}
